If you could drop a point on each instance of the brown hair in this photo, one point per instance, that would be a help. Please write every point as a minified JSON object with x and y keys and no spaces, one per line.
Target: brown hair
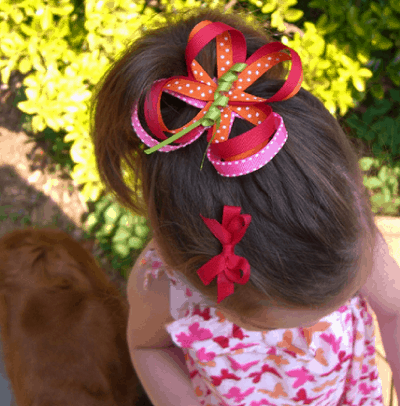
{"x":310,"y":210}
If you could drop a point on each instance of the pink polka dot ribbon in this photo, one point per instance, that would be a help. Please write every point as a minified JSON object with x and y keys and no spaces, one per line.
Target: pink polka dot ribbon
{"x":251,"y":150}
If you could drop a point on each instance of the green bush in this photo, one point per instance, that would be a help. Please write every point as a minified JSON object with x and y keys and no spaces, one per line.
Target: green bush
{"x":64,"y":47}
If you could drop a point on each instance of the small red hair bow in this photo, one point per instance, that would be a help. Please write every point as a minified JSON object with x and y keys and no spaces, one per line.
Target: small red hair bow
{"x":222,"y":100}
{"x":227,"y":265}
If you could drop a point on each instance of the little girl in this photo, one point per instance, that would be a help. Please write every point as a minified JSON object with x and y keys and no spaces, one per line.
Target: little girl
{"x":269,"y":240}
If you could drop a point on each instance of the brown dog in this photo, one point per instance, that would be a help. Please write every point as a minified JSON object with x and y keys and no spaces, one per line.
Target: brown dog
{"x":63,"y":325}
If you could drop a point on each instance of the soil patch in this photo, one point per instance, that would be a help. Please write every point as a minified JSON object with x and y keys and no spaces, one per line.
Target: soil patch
{"x":30,"y":187}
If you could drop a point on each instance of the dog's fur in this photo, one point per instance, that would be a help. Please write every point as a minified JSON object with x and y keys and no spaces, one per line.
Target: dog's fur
{"x":63,"y":324}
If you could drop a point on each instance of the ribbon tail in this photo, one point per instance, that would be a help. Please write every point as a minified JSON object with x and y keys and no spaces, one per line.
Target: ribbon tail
{"x":211,"y":269}
{"x":208,"y":145}
{"x":225,"y":287}
{"x":173,"y":138}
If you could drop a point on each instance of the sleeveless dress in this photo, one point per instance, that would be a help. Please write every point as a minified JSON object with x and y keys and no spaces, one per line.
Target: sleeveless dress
{"x":329,"y":364}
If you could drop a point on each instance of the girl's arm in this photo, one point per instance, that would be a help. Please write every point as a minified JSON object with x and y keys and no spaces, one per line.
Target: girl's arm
{"x":164,"y":376}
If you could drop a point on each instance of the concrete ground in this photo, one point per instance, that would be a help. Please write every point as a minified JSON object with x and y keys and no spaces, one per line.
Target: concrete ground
{"x":390,"y":228}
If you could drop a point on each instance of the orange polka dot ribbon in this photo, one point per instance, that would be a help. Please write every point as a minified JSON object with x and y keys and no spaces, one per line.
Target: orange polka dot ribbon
{"x":227,"y":265}
{"x":222,"y":100}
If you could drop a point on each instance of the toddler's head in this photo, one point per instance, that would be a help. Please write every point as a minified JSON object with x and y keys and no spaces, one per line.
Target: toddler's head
{"x":312,"y":225}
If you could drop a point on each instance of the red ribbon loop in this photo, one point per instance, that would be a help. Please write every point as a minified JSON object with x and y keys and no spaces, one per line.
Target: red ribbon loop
{"x":227,"y":265}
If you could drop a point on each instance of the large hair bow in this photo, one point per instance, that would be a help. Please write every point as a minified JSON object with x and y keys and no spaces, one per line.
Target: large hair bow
{"x":222,"y":100}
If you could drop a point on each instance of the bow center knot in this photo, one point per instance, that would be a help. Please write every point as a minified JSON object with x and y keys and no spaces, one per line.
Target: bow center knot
{"x":225,"y":82}
{"x":228,"y":253}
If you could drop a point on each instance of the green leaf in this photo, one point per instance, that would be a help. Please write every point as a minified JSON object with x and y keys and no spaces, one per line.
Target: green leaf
{"x":383,"y":173}
{"x":358,"y":83}
{"x":122,"y":234}
{"x":122,"y":249}
{"x":17,"y":15}
{"x":392,"y":23}
{"x":127,"y":220}
{"x":316,"y":4}
{"x":395,"y":94}
{"x":32,"y":93}
{"x":378,"y":200}
{"x":365,"y":73}
{"x":380,"y":108}
{"x":366,"y":163}
{"x":91,"y":222}
{"x":105,"y":230}
{"x":135,"y":243}
{"x":112,"y":213}
{"x":376,"y":8}
{"x":381,"y":42}
{"x":377,"y":91}
{"x":141,"y":230}
{"x":293,"y":14}
{"x":47,"y":19}
{"x":26,"y":106}
{"x":373,"y":182}
{"x":395,"y":4}
{"x":25,"y":65}
{"x":64,"y":10}
{"x":352,"y":15}
{"x":269,"y":7}
{"x":322,"y":21}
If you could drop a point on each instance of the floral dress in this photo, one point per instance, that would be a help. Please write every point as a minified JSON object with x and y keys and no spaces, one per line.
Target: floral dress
{"x":329,"y":364}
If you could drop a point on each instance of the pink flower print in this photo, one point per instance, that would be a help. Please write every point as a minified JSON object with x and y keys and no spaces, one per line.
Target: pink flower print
{"x":278,"y":359}
{"x":222,"y":341}
{"x":197,"y":334}
{"x":301,"y":396}
{"x":225,"y":374}
{"x":289,"y":348}
{"x":237,"y":332}
{"x":350,"y":381}
{"x":194,"y":373}
{"x":370,"y":349}
{"x":331,"y":339}
{"x":143,"y":261}
{"x":342,"y":359}
{"x":369,"y":320}
{"x":244,"y":367}
{"x":239,"y":396}
{"x":277,"y":393}
{"x":347,"y":318}
{"x":264,"y":402}
{"x":156,"y":264}
{"x":205,"y":313}
{"x":240,"y":346}
{"x":264,"y":368}
{"x":302,"y":376}
{"x":188,"y":293}
{"x":204,"y":356}
{"x":373,"y":376}
{"x":365,"y":388}
{"x":329,"y":393}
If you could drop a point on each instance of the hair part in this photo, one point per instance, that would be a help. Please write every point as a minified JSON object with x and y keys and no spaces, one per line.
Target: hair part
{"x":311,"y":214}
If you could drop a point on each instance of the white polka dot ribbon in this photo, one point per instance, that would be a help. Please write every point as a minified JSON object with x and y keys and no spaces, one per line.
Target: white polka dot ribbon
{"x":249,"y":151}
